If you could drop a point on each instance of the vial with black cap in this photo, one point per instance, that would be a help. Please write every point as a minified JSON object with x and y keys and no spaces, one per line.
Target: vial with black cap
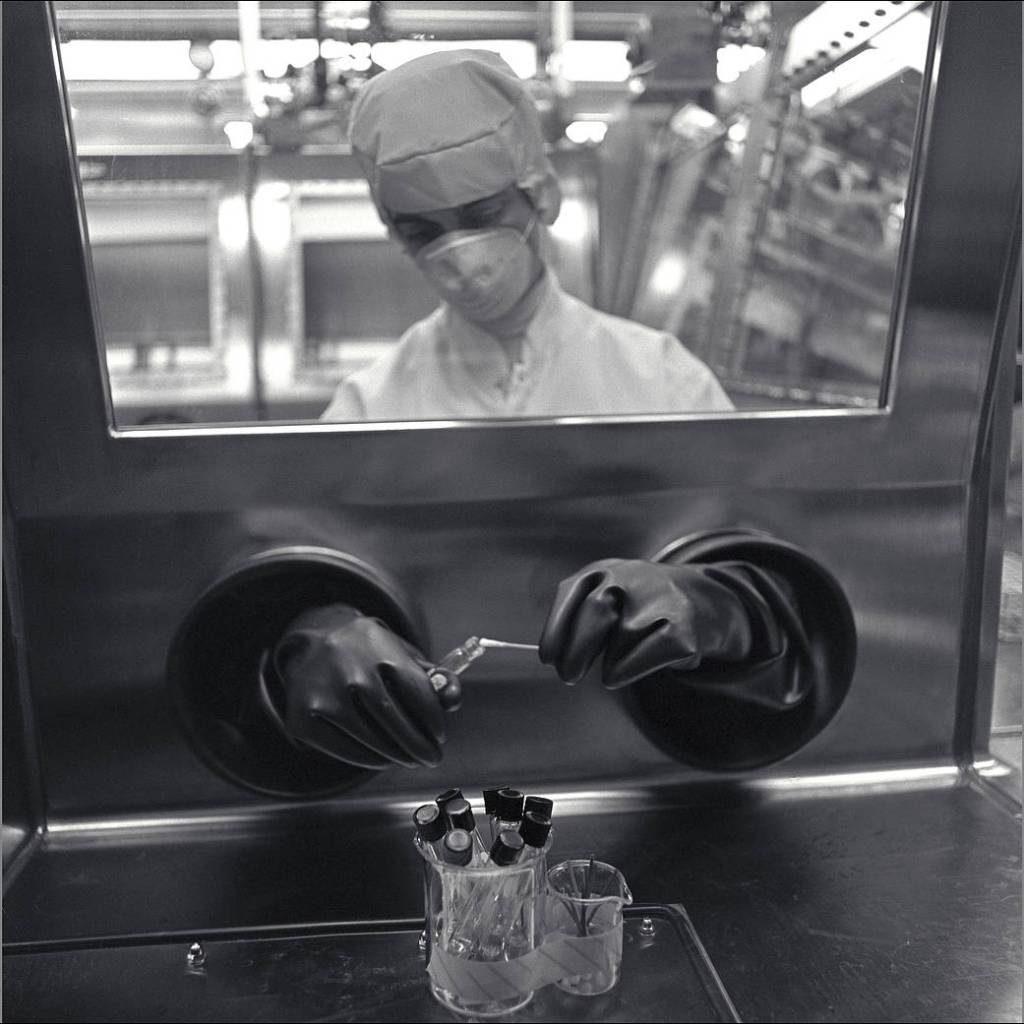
{"x":458,"y":847}
{"x":457,"y":891}
{"x":509,"y":810}
{"x":535,"y":830}
{"x":491,"y":809}
{"x":431,"y":826}
{"x":507,"y":848}
{"x":444,"y":799}
{"x":461,"y":816}
{"x":540,"y":805}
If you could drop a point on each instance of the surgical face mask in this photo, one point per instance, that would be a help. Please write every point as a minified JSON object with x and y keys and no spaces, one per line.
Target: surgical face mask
{"x":482,"y":272}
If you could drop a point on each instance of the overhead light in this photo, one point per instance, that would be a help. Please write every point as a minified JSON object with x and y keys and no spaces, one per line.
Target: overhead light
{"x":272,"y":220}
{"x":333,"y":49}
{"x":273,"y":190}
{"x":239,"y":133}
{"x":201,"y":56}
{"x":233,"y":223}
{"x":519,"y":54}
{"x":348,"y":16}
{"x":734,"y":60}
{"x":276,"y":54}
{"x":227,"y":58}
{"x":127,"y":61}
{"x":582,"y":132}
{"x":592,"y":60}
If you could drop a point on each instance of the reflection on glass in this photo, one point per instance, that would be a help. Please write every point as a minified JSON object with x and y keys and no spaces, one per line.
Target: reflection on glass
{"x":734,"y":180}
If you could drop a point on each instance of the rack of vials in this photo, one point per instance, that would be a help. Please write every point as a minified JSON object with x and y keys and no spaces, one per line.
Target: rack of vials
{"x":499,"y":925}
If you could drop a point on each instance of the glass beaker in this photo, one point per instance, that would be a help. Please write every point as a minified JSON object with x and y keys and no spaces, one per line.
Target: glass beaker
{"x":480,"y":922}
{"x":585,"y":900}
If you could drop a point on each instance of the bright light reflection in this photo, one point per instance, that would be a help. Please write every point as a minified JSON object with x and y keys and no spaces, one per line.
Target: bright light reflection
{"x":272,"y":218}
{"x":589,"y":60}
{"x":907,"y":39}
{"x":239,"y":133}
{"x":123,"y":60}
{"x":586,"y":131}
{"x":520,"y":55}
{"x":669,"y":274}
{"x":738,"y":131}
{"x":859,"y":73}
{"x":571,"y":225}
{"x":734,"y":60}
{"x":274,"y":190}
{"x":232,"y":223}
{"x":276,"y":54}
{"x":227,"y":58}
{"x":903,"y":45}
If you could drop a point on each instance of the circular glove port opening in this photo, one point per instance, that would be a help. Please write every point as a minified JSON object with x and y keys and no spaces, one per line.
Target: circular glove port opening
{"x":702,"y":719}
{"x":213,"y":666}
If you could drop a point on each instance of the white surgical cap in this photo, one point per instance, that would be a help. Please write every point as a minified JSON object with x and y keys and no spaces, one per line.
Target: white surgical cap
{"x":448,"y":129}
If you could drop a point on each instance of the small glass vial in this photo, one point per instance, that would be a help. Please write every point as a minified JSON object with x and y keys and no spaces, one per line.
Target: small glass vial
{"x":431,"y":826}
{"x":509,"y":810}
{"x":491,"y":810}
{"x":461,"y":816}
{"x":458,"y":847}
{"x":443,"y":799}
{"x":507,"y":848}
{"x":457,"y":897}
{"x":536,"y":832}
{"x":539,"y":805}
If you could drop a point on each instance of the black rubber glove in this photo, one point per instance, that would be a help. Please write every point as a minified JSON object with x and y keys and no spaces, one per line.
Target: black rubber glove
{"x":353,"y":689}
{"x":647,"y":616}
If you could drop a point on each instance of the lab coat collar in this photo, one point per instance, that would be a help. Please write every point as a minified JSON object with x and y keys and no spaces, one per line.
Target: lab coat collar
{"x":482,"y":356}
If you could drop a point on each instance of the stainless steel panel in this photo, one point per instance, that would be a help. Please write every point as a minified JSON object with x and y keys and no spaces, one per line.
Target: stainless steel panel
{"x":860,"y":900}
{"x":117,"y":533}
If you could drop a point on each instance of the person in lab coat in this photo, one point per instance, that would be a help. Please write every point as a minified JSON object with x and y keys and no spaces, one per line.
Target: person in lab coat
{"x":452,"y":148}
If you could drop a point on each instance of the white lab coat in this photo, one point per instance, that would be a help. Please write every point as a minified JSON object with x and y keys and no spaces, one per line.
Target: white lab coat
{"x":575,"y":361}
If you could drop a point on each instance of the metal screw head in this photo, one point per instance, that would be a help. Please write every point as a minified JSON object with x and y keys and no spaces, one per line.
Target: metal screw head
{"x":196,"y":955}
{"x":647,"y":928}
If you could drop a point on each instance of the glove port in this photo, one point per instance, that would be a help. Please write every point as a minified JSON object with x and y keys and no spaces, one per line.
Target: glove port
{"x":702,"y":718}
{"x":214,"y":664}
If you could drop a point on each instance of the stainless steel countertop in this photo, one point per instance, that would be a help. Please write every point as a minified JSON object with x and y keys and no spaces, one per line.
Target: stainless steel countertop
{"x":859,"y":902}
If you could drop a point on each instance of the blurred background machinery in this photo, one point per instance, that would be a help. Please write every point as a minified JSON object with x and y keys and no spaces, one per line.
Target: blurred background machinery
{"x":735,"y":173}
